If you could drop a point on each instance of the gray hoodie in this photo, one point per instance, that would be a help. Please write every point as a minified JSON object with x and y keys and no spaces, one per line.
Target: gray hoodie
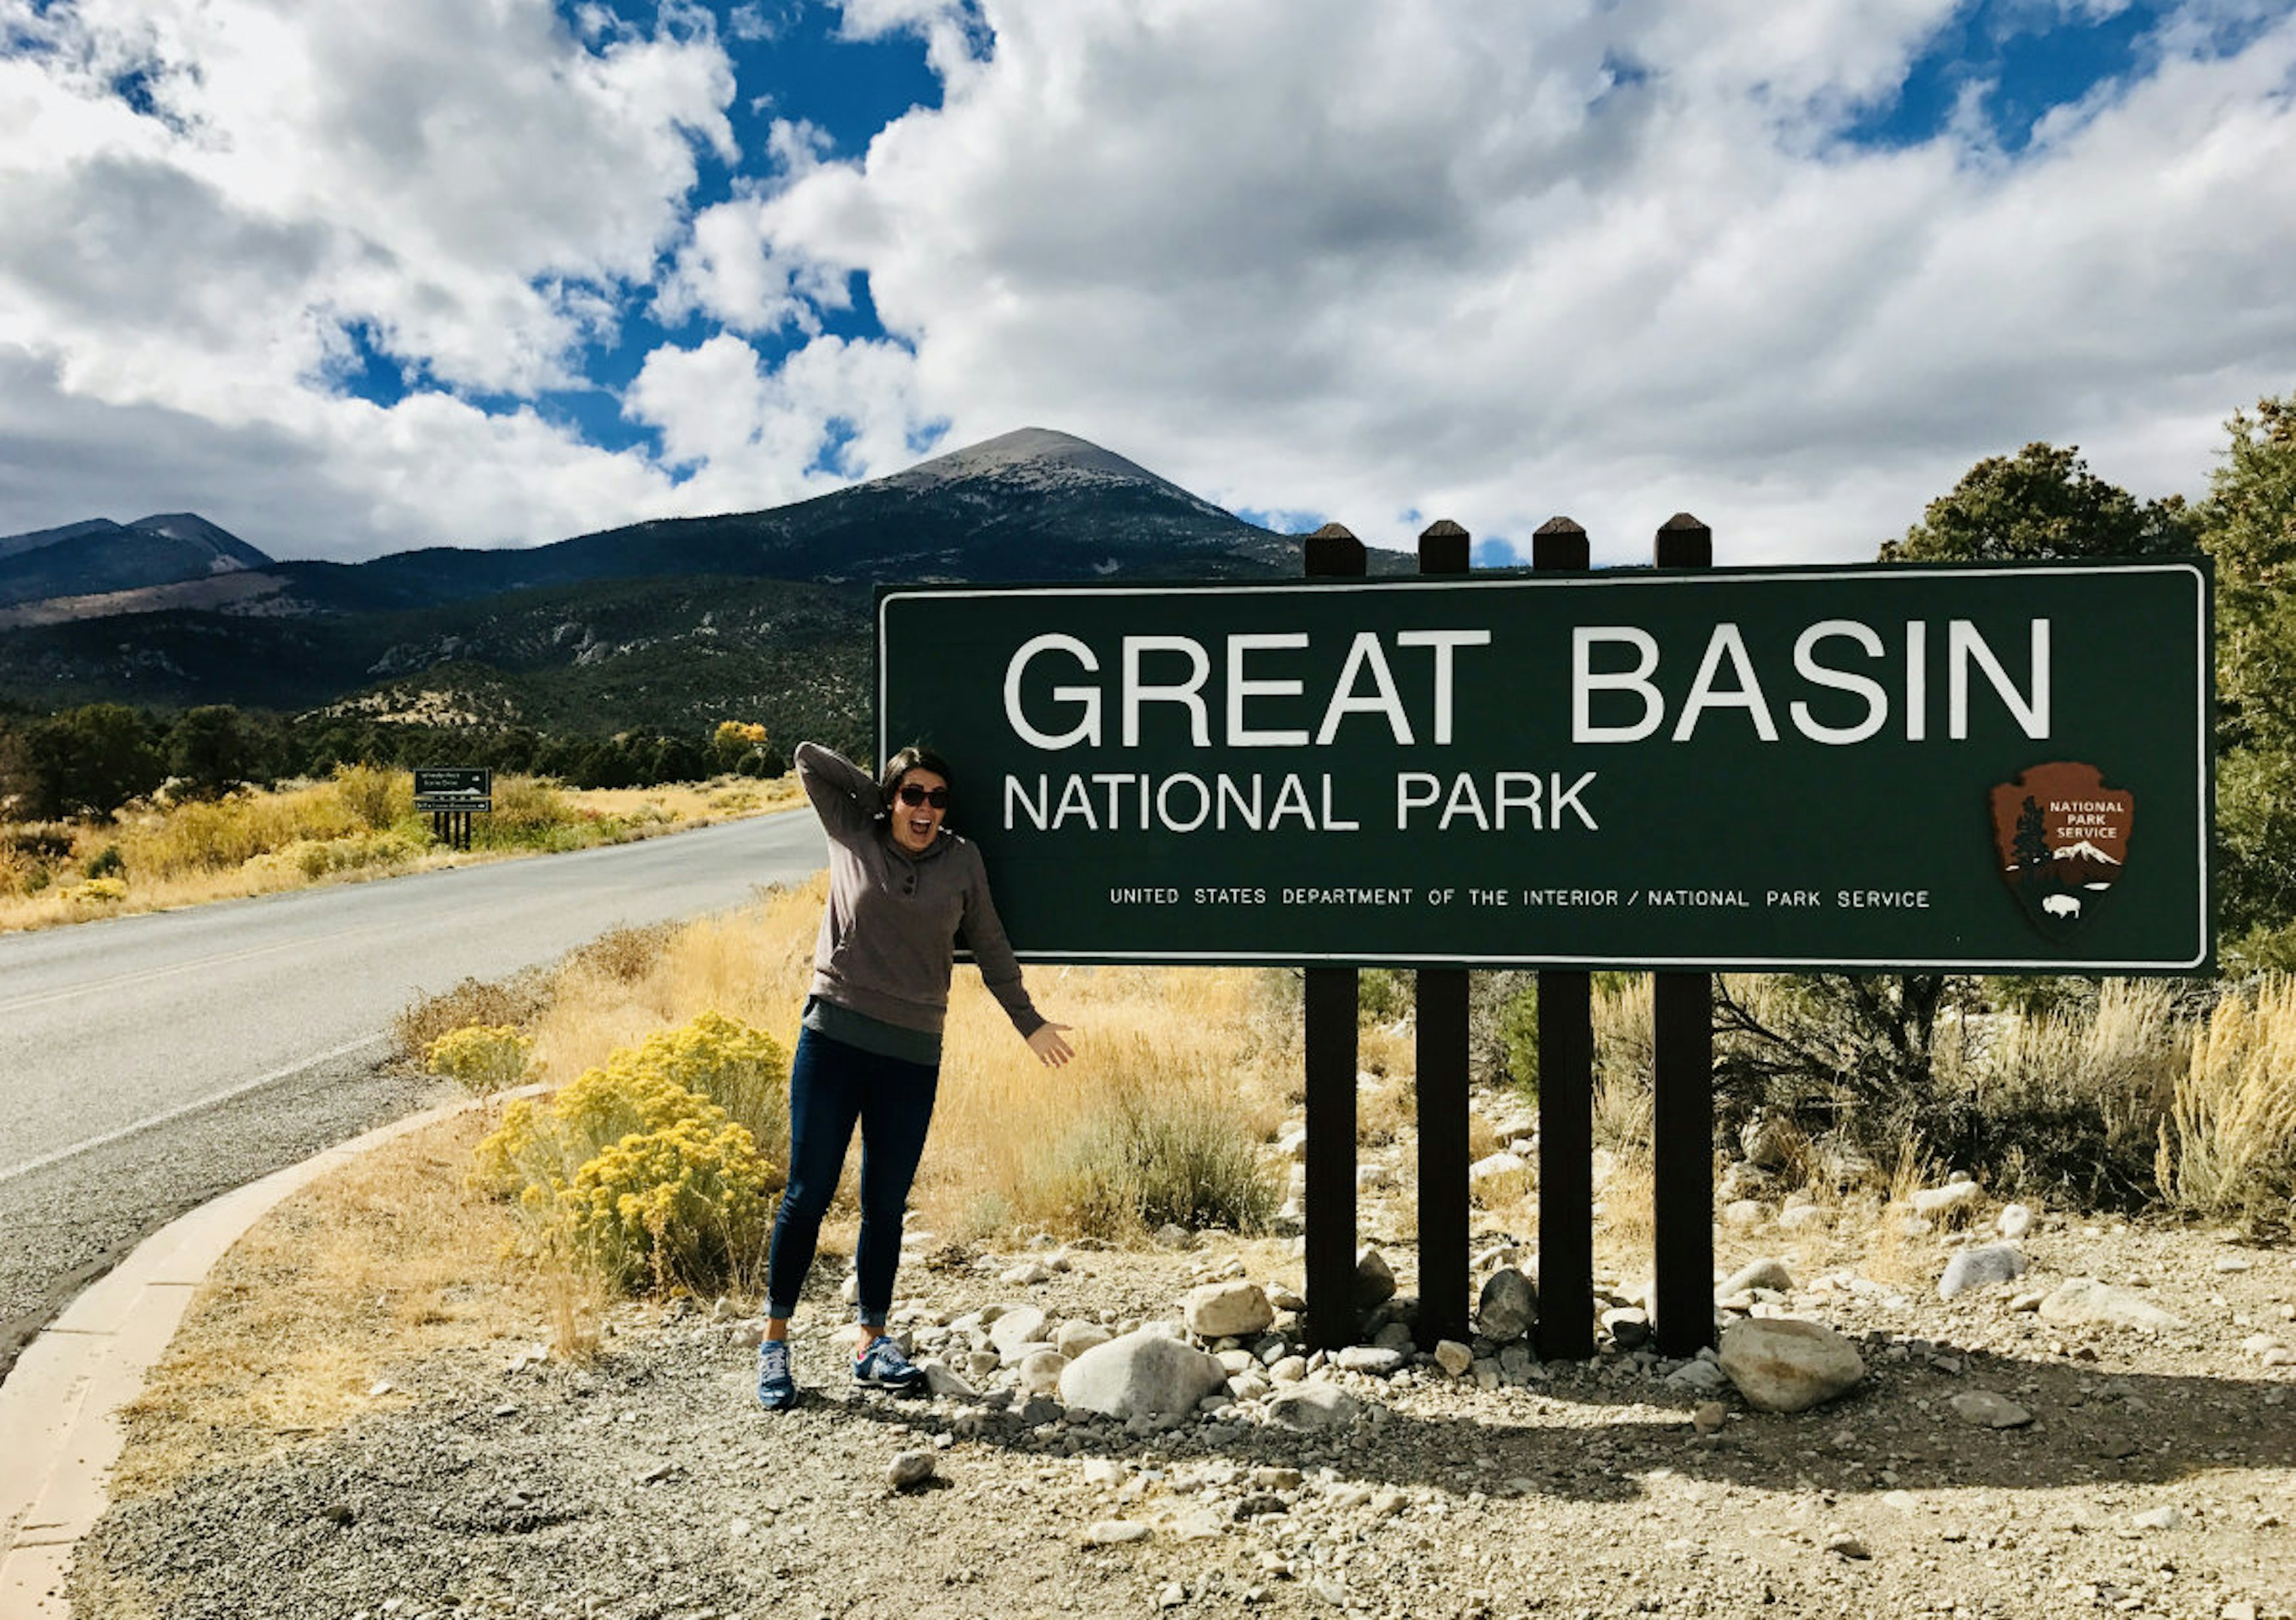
{"x":889,"y":933}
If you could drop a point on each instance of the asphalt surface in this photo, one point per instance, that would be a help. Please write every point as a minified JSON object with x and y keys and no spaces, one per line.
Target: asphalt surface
{"x":148,"y":1064}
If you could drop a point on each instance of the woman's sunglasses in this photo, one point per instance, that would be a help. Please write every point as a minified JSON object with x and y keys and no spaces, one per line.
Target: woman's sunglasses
{"x":938,"y":798}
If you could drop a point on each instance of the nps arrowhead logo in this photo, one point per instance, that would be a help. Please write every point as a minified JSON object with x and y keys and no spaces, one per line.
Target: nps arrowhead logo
{"x":2063,"y":838}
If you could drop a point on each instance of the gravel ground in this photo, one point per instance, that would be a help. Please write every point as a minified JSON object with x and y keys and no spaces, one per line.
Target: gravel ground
{"x":2157,"y":1475}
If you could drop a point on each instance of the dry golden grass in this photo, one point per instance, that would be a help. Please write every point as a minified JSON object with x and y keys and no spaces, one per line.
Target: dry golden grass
{"x":1893,"y":1254}
{"x":2228,"y":1147}
{"x":359,"y":1276}
{"x":360,"y":824}
{"x":1382,"y":1050}
{"x":1190,"y":1043}
{"x":1386,"y":1112}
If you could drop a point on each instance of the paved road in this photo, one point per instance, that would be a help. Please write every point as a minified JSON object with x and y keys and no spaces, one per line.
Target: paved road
{"x":149,"y":1063}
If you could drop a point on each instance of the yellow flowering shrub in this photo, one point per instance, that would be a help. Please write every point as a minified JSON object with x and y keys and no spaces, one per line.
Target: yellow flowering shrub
{"x":99,"y":891}
{"x":483,"y":1057}
{"x":741,"y":1068}
{"x":643,"y":1175}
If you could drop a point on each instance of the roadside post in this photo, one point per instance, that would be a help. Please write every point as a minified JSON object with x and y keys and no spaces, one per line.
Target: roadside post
{"x":1566,"y":1094}
{"x":1679,"y":771}
{"x":453,"y":795}
{"x":1329,"y":1035}
{"x":1682,"y":1095}
{"x":1439,"y":1028}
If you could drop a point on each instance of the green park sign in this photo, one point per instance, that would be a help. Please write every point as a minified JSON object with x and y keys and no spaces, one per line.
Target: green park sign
{"x":1998,"y":769}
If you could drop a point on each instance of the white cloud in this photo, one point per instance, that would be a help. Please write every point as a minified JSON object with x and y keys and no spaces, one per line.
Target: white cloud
{"x":760,"y":435}
{"x":346,"y":479}
{"x":476,"y":187}
{"x":1362,"y":258}
{"x":1371,"y":259}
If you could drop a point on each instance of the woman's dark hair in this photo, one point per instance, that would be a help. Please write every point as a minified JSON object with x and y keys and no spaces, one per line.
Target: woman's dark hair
{"x":914,"y":757}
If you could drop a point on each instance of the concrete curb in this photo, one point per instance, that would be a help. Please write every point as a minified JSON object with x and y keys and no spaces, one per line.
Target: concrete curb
{"x":59,"y":1410}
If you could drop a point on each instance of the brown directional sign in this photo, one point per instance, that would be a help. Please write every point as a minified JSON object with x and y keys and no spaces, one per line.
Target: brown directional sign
{"x":1760,"y":769}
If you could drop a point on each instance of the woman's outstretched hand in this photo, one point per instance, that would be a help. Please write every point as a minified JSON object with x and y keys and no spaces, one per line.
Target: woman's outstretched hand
{"x":1051,"y":1050}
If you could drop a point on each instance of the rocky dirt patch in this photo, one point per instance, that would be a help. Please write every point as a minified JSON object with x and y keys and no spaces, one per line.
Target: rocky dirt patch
{"x":1993,"y":1460}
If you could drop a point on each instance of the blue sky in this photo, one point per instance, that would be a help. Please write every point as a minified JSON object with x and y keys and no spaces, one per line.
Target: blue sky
{"x":352,"y":282}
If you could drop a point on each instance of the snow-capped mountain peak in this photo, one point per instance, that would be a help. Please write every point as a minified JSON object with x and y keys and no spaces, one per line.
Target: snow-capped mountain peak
{"x":1038,"y":459}
{"x":2084,"y":850}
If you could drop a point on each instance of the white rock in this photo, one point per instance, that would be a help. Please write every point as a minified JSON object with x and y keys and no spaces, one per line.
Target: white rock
{"x":1076,"y":1338}
{"x":2085,"y":1299}
{"x":1497,"y":1178}
{"x":1786,"y":1364}
{"x":909,"y":1470}
{"x":1697,"y":1374}
{"x":1307,"y":1408}
{"x":1742,"y":1214}
{"x":2166,"y":1517}
{"x":1453,"y":1357}
{"x":1143,"y":1374}
{"x":1770,"y":1273}
{"x":1115,"y":1532}
{"x":1040,"y":1372}
{"x":1376,"y":1359}
{"x":1288,"y":1369}
{"x":941,"y":1380}
{"x":1981,"y":1268}
{"x":1227,"y":1310}
{"x":1104,"y":1471}
{"x":1987,"y":1410}
{"x":1799,"y":1218}
{"x":1026,"y":1274}
{"x":1015,"y":1326}
{"x":1955,"y":1197}
{"x":2016,"y":1220}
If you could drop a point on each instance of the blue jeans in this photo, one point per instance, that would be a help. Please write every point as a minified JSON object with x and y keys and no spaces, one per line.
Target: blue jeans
{"x":833,"y":1086}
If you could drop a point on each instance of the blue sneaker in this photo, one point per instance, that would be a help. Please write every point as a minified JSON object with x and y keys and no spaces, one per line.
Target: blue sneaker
{"x":883,"y":1366}
{"x":776,"y":1390}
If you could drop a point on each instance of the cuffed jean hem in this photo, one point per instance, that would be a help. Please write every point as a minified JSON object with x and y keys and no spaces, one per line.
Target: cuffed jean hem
{"x":777,"y":1311}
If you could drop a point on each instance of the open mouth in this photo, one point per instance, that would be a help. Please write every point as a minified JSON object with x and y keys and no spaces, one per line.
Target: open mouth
{"x":921,"y":827}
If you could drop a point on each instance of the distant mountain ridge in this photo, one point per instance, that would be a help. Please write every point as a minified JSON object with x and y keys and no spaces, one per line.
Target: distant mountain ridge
{"x":668,"y":622}
{"x":98,"y":556}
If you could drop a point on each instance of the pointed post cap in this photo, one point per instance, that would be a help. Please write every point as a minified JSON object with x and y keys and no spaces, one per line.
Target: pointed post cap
{"x":1444,"y":548}
{"x":1333,"y":550}
{"x":1560,"y":544}
{"x":1683,"y":542}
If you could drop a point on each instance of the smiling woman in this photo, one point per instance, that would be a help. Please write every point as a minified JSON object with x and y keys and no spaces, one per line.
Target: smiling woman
{"x":901,"y":885}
